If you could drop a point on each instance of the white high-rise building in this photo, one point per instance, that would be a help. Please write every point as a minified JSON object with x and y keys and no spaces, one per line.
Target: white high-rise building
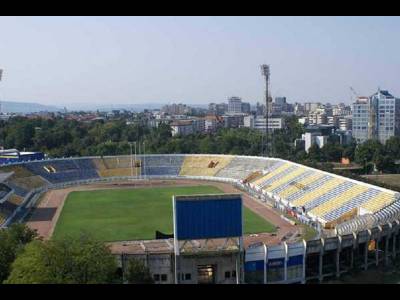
{"x":376,"y":117}
{"x":235,"y":105}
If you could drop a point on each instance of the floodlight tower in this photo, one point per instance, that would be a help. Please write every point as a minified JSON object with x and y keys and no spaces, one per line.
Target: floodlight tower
{"x":266,"y":73}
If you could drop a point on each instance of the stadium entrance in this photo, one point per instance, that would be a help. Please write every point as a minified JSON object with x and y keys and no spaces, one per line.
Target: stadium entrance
{"x":205,"y":274}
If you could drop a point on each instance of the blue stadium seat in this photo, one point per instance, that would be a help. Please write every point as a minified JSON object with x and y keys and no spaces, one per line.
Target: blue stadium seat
{"x":66,"y":170}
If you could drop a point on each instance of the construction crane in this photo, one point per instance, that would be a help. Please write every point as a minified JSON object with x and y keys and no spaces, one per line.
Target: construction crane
{"x":353,"y":93}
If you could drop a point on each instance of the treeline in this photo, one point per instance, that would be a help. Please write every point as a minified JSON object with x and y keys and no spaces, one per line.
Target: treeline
{"x":370,"y":155}
{"x":27,"y":259}
{"x":65,"y":138}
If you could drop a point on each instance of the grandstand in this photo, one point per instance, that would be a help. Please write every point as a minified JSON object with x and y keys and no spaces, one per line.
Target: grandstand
{"x":117,"y":166}
{"x":64,"y":170}
{"x":162,"y":165}
{"x":345,"y":212}
{"x":207,"y":165}
{"x":315,"y":195}
{"x":240,"y":167}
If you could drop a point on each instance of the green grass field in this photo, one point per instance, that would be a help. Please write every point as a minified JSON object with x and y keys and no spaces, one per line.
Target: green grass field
{"x":129,"y":214}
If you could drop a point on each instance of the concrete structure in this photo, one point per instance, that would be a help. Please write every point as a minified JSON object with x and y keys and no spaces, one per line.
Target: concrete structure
{"x":215,"y":219}
{"x":233,"y":121}
{"x":234,"y":105}
{"x":311,"y":138}
{"x":259,"y":123}
{"x":245,"y":107}
{"x":341,"y":109}
{"x":218,"y":109}
{"x":176,"y":109}
{"x":311,"y":107}
{"x":316,"y":260}
{"x":345,"y":122}
{"x":182,"y":127}
{"x":376,"y":117}
{"x":212,"y":123}
{"x":186,"y":127}
{"x":299,"y":109}
{"x":317,"y":118}
{"x":361,"y":119}
{"x":333,"y":120}
{"x":322,"y":259}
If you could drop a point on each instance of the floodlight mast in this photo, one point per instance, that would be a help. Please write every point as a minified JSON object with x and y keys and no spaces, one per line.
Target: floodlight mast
{"x":265,"y":70}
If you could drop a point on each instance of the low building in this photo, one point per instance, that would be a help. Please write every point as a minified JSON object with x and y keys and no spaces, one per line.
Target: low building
{"x":212,"y":123}
{"x":317,"y":118}
{"x":313,"y":138}
{"x":182,"y":127}
{"x":186,"y":127}
{"x":233,"y":121}
{"x":345,"y":122}
{"x":259,"y":123}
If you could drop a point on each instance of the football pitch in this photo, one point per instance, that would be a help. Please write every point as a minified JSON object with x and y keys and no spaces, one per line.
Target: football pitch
{"x":132,"y":214}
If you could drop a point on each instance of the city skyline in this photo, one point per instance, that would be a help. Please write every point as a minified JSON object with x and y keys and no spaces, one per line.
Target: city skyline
{"x":195,"y":60}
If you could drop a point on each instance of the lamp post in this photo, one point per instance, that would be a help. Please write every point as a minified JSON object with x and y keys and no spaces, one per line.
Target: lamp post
{"x":130,"y":145}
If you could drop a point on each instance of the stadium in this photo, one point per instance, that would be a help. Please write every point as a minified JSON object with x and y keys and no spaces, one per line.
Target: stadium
{"x":126,"y":202}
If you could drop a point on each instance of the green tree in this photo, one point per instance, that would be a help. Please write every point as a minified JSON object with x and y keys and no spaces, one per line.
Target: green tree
{"x":315,"y":153}
{"x":349,"y":150}
{"x":137,"y":272}
{"x":12,"y":241}
{"x":392,"y":147}
{"x":332,"y":152}
{"x":70,"y":260}
{"x":384,"y":163}
{"x":366,"y":151}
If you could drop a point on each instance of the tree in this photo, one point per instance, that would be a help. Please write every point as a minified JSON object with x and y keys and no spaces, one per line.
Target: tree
{"x":349,"y":150}
{"x":315,"y":153}
{"x":28,"y":267}
{"x":366,"y":151}
{"x":138,"y":273}
{"x":384,"y":163}
{"x":332,"y":152}
{"x":12,"y":241}
{"x":69,"y":260}
{"x":392,"y":147}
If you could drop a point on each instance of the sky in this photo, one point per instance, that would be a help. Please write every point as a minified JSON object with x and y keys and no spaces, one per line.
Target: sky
{"x":196,"y":60}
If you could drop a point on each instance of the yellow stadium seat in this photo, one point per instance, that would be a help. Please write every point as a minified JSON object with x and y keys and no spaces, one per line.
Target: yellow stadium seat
{"x":338,"y":201}
{"x":272,"y":173}
{"x":379,"y":201}
{"x":203,"y":165}
{"x":285,"y":179}
{"x":301,"y":183}
{"x":325,"y":188}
